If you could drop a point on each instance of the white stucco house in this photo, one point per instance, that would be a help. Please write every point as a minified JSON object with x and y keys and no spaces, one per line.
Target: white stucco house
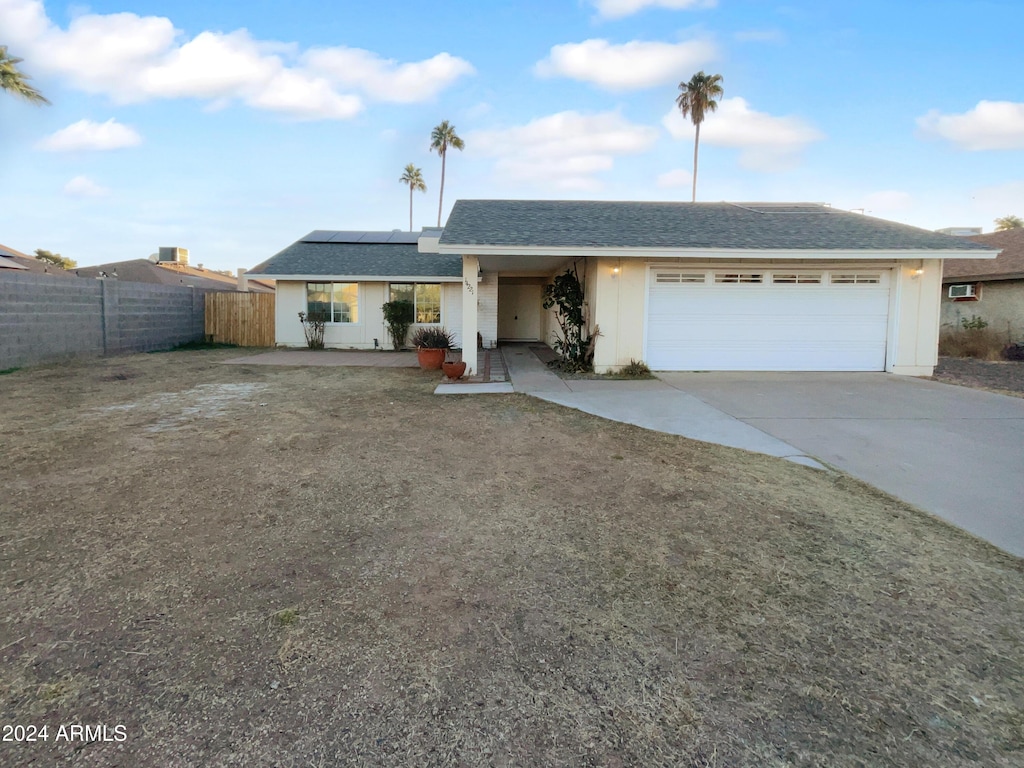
{"x":680,"y":286}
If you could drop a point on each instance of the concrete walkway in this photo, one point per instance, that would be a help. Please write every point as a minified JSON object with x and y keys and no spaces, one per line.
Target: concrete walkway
{"x":651,"y":404}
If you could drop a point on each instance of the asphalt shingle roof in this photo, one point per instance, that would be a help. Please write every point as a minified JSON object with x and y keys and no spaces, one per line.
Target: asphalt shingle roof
{"x":1009,"y":265}
{"x":358,"y":259}
{"x":599,"y":224}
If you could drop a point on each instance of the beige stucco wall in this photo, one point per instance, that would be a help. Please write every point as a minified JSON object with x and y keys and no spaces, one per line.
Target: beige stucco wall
{"x":618,"y":305}
{"x":1001,"y":305}
{"x":291,"y":299}
{"x":913,"y":345}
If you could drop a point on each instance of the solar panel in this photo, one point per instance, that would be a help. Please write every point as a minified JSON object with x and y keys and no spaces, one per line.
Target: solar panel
{"x":375,"y":238}
{"x":347,"y":236}
{"x":319,"y":236}
{"x":409,"y":238}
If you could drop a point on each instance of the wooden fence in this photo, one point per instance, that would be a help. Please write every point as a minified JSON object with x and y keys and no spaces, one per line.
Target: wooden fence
{"x":245,"y":319}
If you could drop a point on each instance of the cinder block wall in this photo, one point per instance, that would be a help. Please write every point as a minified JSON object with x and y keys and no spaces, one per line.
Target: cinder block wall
{"x":45,"y":318}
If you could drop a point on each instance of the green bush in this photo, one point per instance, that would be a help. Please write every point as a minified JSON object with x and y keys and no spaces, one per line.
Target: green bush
{"x":398,"y":315}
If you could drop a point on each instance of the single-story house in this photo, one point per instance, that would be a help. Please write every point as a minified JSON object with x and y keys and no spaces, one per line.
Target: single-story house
{"x":990,"y":290}
{"x":680,"y":286}
{"x":351,"y":275}
{"x":154,"y":273}
{"x":16,"y":261}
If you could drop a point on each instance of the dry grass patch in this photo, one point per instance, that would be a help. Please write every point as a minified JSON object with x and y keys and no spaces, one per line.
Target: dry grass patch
{"x":979,"y":343}
{"x":286,"y":566}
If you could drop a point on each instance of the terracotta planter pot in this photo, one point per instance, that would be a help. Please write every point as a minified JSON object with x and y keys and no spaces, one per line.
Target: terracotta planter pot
{"x":430,"y":359}
{"x":454,"y":370}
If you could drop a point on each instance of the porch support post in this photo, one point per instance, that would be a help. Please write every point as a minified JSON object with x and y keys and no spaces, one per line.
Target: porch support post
{"x":470,"y":323}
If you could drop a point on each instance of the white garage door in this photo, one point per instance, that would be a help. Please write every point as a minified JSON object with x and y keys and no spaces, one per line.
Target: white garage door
{"x":778,"y":319}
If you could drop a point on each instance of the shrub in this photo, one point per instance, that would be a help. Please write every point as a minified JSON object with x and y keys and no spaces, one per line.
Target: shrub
{"x":980,"y":343}
{"x":432,"y":337}
{"x":313,"y":326}
{"x":974,"y":324}
{"x":637,"y":369}
{"x":399,"y":317}
{"x":576,"y":346}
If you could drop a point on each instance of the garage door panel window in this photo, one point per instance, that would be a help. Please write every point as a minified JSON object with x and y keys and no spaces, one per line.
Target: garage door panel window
{"x":425,"y":297}
{"x":739,"y":277}
{"x":796,"y":278}
{"x":339,"y":302}
{"x":679,"y":277}
{"x":840,"y":278}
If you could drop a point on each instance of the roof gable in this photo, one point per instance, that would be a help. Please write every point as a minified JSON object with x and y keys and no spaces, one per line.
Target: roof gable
{"x":661,"y":225}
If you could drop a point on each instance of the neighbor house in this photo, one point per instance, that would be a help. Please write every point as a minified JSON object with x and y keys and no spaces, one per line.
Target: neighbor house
{"x":16,"y":261}
{"x":680,"y":286}
{"x":154,"y":273}
{"x":992,"y":290}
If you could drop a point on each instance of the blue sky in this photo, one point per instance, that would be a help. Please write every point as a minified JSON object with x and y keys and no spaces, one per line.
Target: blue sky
{"x":233,"y":128}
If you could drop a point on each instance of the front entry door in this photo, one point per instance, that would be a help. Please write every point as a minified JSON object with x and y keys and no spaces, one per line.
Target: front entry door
{"x":519,"y":308}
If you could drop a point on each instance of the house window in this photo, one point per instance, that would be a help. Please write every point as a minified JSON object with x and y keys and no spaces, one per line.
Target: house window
{"x":338,"y":301}
{"x":425,"y":297}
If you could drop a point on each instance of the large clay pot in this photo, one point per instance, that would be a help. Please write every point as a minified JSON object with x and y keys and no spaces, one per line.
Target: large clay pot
{"x":454,"y":370}
{"x":430,"y":359}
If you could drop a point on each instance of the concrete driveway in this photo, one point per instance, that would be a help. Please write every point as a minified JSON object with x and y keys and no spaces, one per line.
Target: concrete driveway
{"x":955,"y":452}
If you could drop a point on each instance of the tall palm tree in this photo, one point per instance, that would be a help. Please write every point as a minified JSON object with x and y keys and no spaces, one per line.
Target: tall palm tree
{"x":412,"y":176}
{"x":696,"y":98}
{"x":1004,"y":223}
{"x":14,"y":80}
{"x":442,"y":137}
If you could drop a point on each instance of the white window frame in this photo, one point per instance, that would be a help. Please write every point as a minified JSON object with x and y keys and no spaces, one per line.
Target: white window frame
{"x":440,"y":299}
{"x":331,"y":283}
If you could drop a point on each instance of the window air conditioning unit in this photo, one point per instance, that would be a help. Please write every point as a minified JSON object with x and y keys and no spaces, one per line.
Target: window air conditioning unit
{"x":965,"y":291}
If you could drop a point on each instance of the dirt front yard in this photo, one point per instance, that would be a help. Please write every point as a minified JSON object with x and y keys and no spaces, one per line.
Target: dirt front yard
{"x":254,"y":566}
{"x":1003,"y":376}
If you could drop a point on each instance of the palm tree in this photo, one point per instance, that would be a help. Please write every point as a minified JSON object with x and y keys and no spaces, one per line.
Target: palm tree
{"x":14,"y":80}
{"x":412,"y":176}
{"x":442,"y":137}
{"x":1004,"y":223}
{"x":696,"y":98}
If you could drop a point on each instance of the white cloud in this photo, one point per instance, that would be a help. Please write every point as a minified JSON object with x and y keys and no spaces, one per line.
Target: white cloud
{"x":386,"y":79}
{"x":766,"y":143}
{"x":566,"y":149}
{"x":616,"y":9}
{"x":87,"y":134}
{"x":680,"y":177}
{"x":83,"y":186}
{"x":132,"y":58}
{"x":629,"y":66}
{"x":990,"y":125}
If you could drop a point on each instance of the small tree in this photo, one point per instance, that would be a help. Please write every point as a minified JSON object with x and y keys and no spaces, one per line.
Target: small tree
{"x":313,"y":325}
{"x":398,"y":315}
{"x":56,"y":259}
{"x":1004,"y":223}
{"x":576,"y":345}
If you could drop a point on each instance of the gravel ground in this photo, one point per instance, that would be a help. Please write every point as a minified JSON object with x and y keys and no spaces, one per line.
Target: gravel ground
{"x":1005,"y":377}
